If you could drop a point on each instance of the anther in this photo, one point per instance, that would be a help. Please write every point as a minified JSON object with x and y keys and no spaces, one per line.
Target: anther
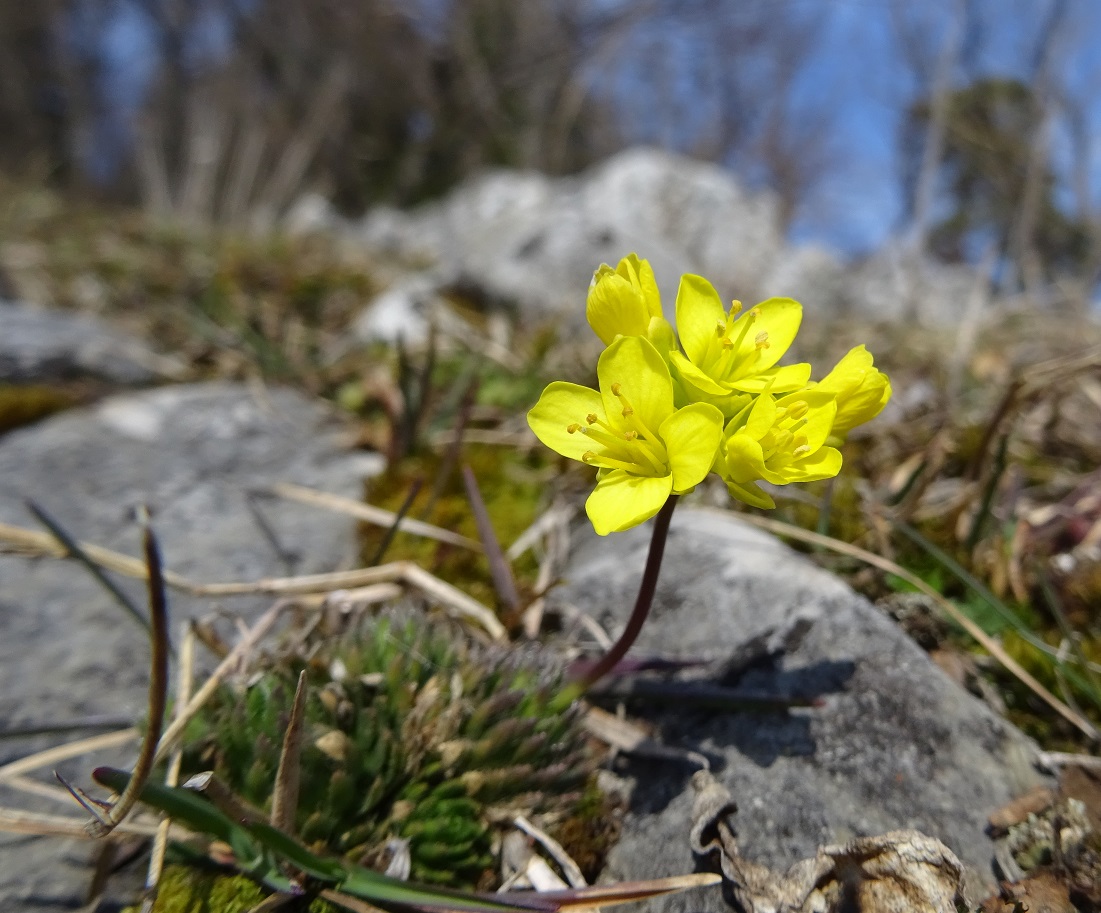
{"x":616,"y":388}
{"x":798,"y":409}
{"x":592,"y":418}
{"x":735,"y":307}
{"x":588,"y":456}
{"x":573,"y":427}
{"x":801,"y":450}
{"x":720,"y":328}
{"x":630,"y":435}
{"x":761,"y":342}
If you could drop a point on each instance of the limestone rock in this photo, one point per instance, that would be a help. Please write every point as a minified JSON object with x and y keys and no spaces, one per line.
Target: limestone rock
{"x":192,"y":453}
{"x":894,"y":745}
{"x":46,"y":345}
{"x":531,"y":242}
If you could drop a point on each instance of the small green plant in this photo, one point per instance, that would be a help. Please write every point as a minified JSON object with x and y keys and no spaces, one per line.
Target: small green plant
{"x":412,"y":733}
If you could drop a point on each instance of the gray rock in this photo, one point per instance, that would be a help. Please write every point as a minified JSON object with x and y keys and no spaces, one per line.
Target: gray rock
{"x":42,"y":345}
{"x":532,"y":242}
{"x":895,"y":744}
{"x":191,"y":453}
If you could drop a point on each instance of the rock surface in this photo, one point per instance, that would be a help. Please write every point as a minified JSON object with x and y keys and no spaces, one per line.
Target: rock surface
{"x":40,"y":344}
{"x":191,"y":453}
{"x":531,"y":242}
{"x":894,"y":745}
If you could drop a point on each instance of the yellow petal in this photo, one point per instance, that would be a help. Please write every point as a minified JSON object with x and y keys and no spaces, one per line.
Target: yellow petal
{"x":848,"y":373}
{"x":692,"y":436}
{"x":660,"y":333}
{"x":824,"y":463}
{"x":641,"y":275}
{"x":699,"y":311}
{"x":776,"y":380}
{"x":615,"y":307}
{"x":820,"y":415}
{"x":560,"y":405}
{"x":761,"y":417}
{"x":695,"y":380}
{"x":778,"y":319}
{"x":863,"y":404}
{"x":750,"y":494}
{"x":643,"y":380}
{"x":621,"y":500}
{"x":744,"y":459}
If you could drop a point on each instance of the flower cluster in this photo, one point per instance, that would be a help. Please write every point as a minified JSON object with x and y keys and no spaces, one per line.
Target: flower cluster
{"x":669,"y":412}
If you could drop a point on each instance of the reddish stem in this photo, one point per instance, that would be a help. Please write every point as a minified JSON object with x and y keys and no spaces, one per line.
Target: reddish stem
{"x":642,"y":604}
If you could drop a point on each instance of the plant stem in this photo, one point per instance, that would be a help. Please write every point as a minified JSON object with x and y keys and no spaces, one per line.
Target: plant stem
{"x":645,"y":599}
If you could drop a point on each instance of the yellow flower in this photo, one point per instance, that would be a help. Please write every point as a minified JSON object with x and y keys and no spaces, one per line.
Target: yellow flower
{"x":779,"y":440}
{"x":725,"y":354}
{"x":862,"y":390}
{"x":644,"y":448}
{"x":625,"y":301}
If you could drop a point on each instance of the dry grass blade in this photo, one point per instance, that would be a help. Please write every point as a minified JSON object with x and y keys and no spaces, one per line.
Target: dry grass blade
{"x":347,"y":902}
{"x":96,"y":721}
{"x":499,"y":568}
{"x":626,"y":891}
{"x":16,"y":821}
{"x":224,"y":799}
{"x":63,"y":752}
{"x":555,"y":849}
{"x":74,"y":548}
{"x":102,"y":824}
{"x":37,"y":788}
{"x":623,"y":735}
{"x":284,"y":800}
{"x":780,"y":528}
{"x":254,"y":634}
{"x":557,"y":516}
{"x":184,"y":682}
{"x":369,"y":514}
{"x":444,"y":592}
{"x":396,"y":572}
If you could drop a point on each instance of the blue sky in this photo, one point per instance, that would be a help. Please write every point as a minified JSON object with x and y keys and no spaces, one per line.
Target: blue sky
{"x":853,"y":71}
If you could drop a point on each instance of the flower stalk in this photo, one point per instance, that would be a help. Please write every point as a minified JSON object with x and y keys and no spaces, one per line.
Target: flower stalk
{"x":590,"y":674}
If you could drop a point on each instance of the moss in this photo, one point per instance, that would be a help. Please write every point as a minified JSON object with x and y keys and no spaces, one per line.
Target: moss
{"x":22,"y":404}
{"x":190,"y":890}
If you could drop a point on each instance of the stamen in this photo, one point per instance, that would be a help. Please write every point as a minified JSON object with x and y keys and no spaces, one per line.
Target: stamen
{"x":746,"y":322}
{"x":798,"y":409}
{"x":606,"y":462}
{"x":783,"y":439}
